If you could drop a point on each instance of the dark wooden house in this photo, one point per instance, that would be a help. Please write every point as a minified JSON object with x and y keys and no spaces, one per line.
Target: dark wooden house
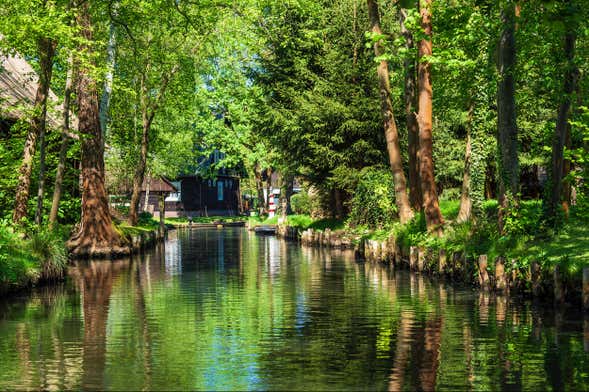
{"x":151,"y":191}
{"x":197,"y":192}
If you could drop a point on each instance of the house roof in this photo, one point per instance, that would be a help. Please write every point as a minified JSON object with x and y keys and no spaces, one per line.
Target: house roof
{"x":18,"y":87}
{"x":158,"y":185}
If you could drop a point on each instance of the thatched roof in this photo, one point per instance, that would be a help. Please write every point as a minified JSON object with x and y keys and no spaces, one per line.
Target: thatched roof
{"x":18,"y":87}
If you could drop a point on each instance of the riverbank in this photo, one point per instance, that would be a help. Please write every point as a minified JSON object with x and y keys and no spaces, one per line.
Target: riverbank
{"x":548,"y":267}
{"x":41,"y":257}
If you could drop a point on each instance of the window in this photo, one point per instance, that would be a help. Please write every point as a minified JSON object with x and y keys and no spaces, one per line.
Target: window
{"x":175,"y":196}
{"x":220,"y":190}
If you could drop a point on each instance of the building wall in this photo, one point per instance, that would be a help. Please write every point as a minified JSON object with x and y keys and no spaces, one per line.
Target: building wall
{"x":198,"y":196}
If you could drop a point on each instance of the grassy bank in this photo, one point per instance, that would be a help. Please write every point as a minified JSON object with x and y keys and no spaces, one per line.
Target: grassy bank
{"x":27,"y":260}
{"x":527,"y":240}
{"x":205,"y":219}
{"x":301,"y":222}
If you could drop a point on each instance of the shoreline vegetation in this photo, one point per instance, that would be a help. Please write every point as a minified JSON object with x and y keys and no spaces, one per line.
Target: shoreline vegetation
{"x":538,"y":265}
{"x":551,"y":266}
{"x":33,"y":258}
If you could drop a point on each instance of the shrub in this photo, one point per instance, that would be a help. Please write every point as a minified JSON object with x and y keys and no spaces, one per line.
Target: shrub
{"x":18,"y":267}
{"x":373,"y":203}
{"x":145,"y":219}
{"x":301,"y":203}
{"x":49,"y":246}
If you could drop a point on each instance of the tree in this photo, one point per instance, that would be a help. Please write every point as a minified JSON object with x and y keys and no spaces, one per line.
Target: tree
{"x":46,"y":51}
{"x":507,"y":142}
{"x":95,"y":235}
{"x":65,"y":142}
{"x":562,"y":125}
{"x":390,"y":127}
{"x":431,"y":208}
{"x":410,"y":96}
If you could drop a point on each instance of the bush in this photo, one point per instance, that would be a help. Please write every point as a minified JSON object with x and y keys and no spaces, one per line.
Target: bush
{"x":145,"y":219}
{"x":301,"y":203}
{"x":49,"y":246}
{"x":18,"y":267}
{"x":373,"y":203}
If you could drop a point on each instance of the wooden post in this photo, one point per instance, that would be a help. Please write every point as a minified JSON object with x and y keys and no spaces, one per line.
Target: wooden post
{"x":500,"y":278}
{"x":162,"y":208}
{"x":586,"y":288}
{"x":413,"y":257}
{"x":558,"y":285}
{"x":441,"y":261}
{"x":421,"y":253}
{"x":536,"y":277}
{"x":483,"y":274}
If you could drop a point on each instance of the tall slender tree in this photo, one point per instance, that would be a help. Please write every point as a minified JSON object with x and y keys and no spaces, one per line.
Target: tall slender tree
{"x":562,"y":126}
{"x":65,"y":142}
{"x":431,"y":207}
{"x":506,"y":114}
{"x":410,"y":96}
{"x":46,"y":51}
{"x":390,"y":126}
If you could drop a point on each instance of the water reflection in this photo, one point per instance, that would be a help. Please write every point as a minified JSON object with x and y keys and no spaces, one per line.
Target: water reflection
{"x":226,"y":310}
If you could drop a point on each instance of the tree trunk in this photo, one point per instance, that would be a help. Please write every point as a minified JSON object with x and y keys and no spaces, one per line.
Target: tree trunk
{"x":465,"y":195}
{"x":390,"y":127}
{"x":560,"y":135}
{"x":107,"y":93}
{"x":286,"y":193}
{"x":433,"y":215}
{"x":64,"y":144}
{"x":139,"y":172}
{"x":147,"y":186}
{"x":46,"y":51}
{"x":268,"y":188}
{"x":566,"y":190}
{"x":259,"y":188}
{"x":162,"y":211}
{"x":96,"y":235}
{"x":506,"y":116}
{"x":415,"y":196}
{"x":41,"y":177}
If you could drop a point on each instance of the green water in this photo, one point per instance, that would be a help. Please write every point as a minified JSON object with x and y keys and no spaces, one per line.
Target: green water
{"x":228,"y":310}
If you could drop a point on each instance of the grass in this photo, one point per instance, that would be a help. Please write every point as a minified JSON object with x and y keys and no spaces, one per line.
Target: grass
{"x":205,"y":219}
{"x":301,"y":222}
{"x":570,"y":247}
{"x":24,"y":261}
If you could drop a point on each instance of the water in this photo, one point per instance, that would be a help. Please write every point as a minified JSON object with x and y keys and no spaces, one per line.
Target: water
{"x":228,"y":310}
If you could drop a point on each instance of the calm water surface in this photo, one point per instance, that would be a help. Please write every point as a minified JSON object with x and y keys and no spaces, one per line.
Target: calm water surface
{"x":225,"y":309}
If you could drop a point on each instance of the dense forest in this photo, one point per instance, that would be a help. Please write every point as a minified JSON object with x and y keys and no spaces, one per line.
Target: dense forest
{"x":458,"y":122}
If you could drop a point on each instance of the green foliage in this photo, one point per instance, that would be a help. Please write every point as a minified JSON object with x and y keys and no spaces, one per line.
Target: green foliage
{"x":49,"y":247}
{"x":301,"y":203}
{"x":373,"y":202}
{"x":18,"y":266}
{"x":145,"y":218}
{"x":524,"y":220}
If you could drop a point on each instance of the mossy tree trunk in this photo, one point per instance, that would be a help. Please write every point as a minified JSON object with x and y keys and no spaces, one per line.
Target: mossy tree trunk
{"x":390,"y":126}
{"x":506,"y":116}
{"x":46,"y":50}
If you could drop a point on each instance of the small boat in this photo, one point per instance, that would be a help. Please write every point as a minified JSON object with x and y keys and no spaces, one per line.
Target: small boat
{"x":265,"y":229}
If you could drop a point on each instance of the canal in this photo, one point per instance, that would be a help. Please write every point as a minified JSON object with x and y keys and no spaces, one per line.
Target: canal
{"x":228,"y":310}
